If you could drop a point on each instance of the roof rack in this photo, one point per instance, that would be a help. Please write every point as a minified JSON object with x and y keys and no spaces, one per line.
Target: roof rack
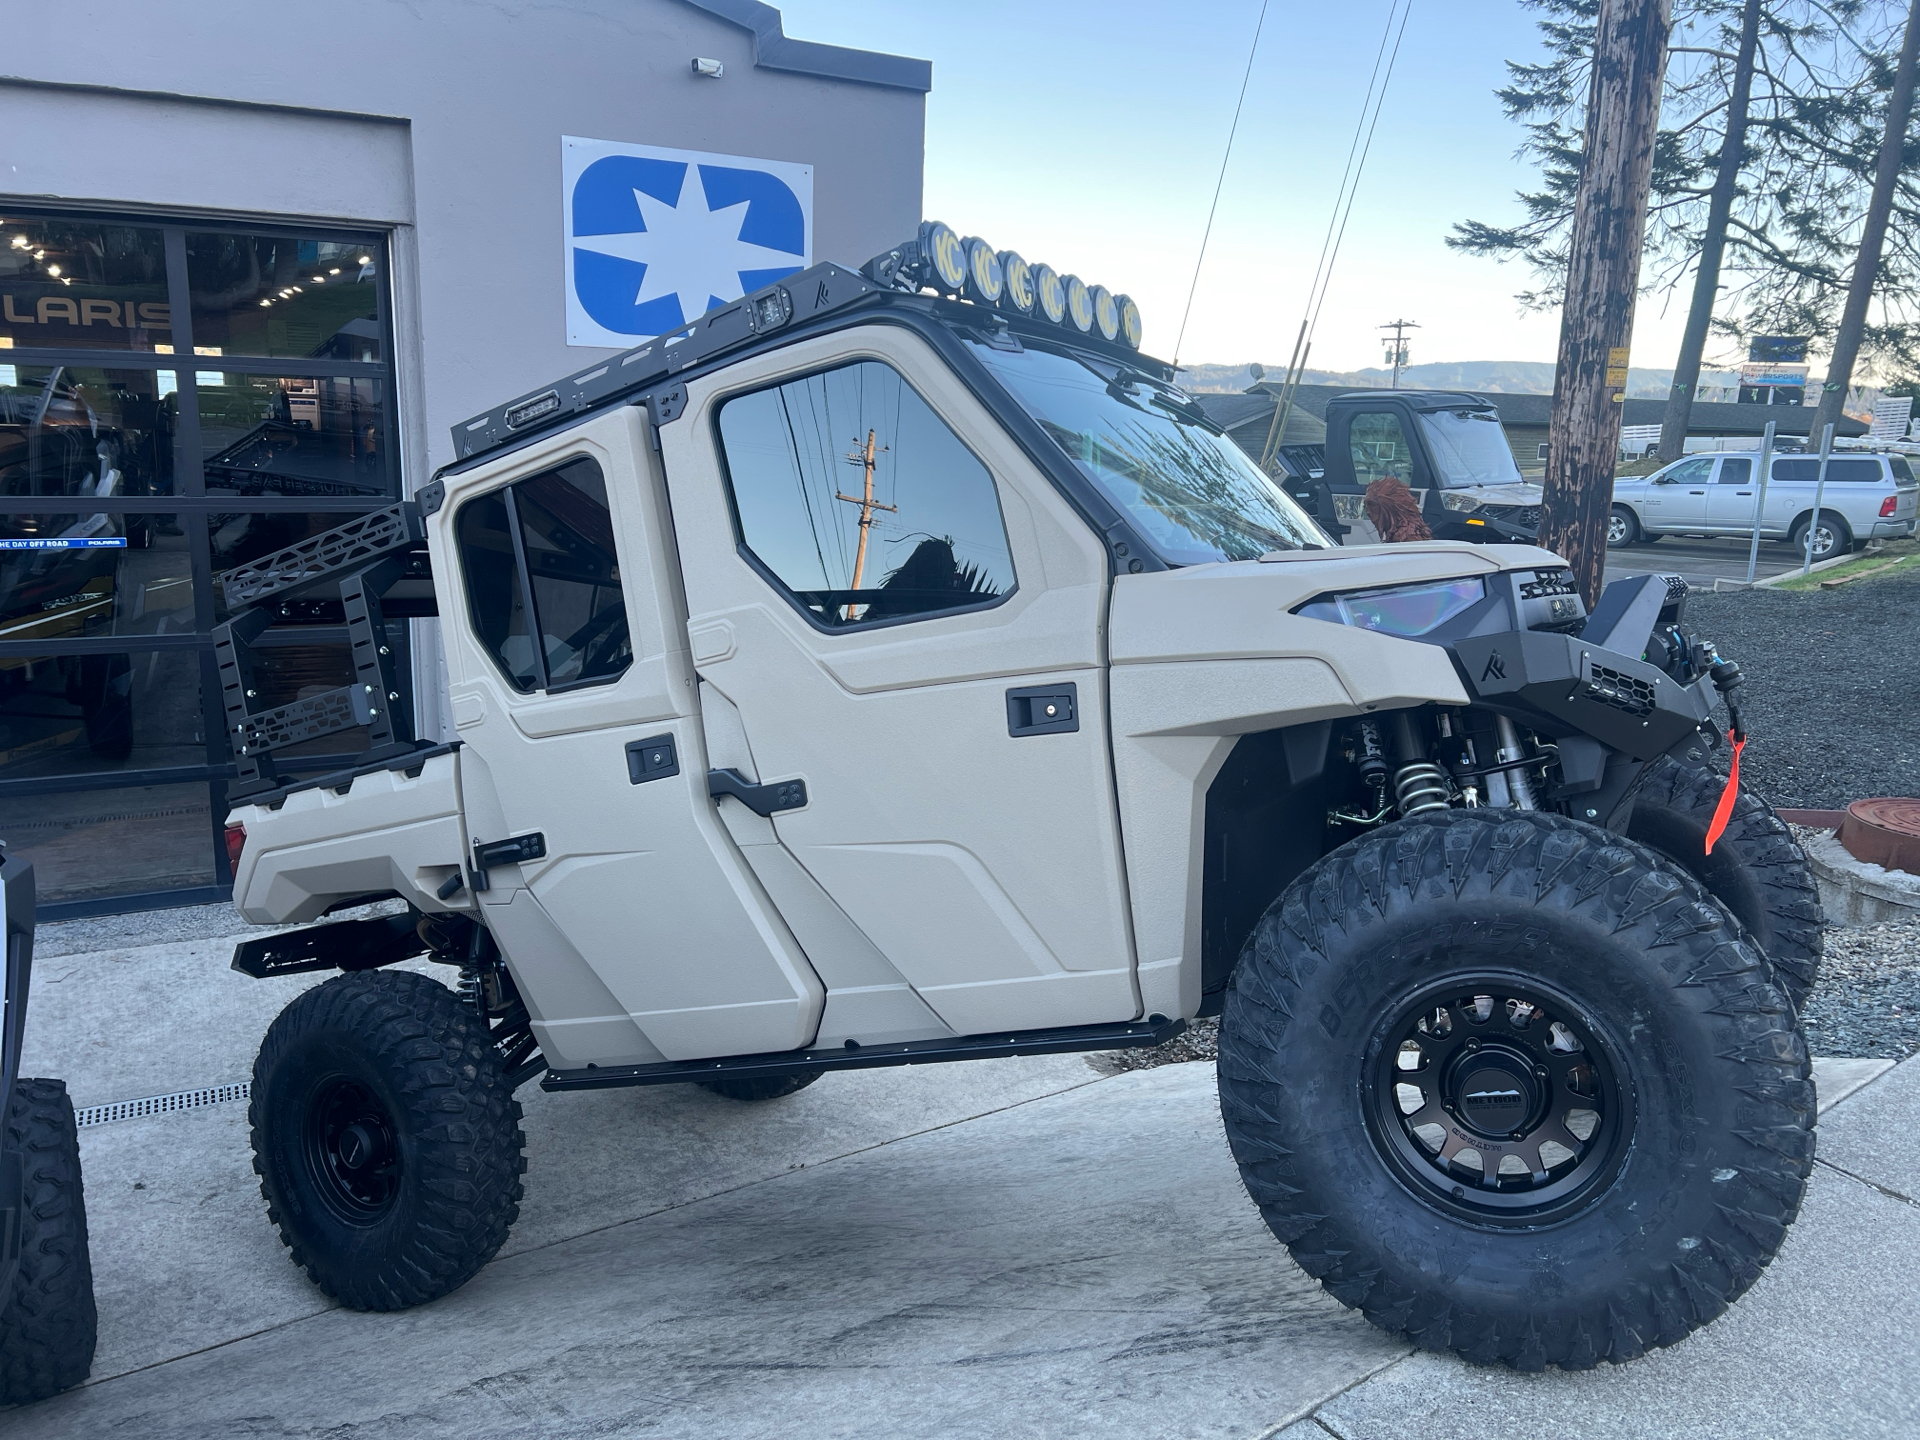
{"x":376,"y":569}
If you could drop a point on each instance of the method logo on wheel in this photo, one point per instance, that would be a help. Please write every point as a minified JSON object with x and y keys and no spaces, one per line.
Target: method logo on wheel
{"x":656,"y":238}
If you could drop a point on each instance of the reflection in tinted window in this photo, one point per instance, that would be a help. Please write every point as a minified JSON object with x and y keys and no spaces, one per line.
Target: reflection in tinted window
{"x":283,"y":295}
{"x":69,"y":577}
{"x":67,"y":714}
{"x":74,"y":431}
{"x":556,"y":541}
{"x":83,"y":283}
{"x":861,"y":501}
{"x":1379,"y":448}
{"x":296,"y":435}
{"x":1841,"y":472}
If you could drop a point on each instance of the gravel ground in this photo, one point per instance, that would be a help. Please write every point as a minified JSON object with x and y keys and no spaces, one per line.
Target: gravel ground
{"x":1833,"y":684}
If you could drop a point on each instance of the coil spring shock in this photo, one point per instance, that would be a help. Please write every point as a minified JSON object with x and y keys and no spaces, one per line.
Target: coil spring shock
{"x":1420,"y":787}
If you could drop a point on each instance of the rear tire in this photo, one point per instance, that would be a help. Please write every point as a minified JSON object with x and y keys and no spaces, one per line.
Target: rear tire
{"x":386,"y":1138}
{"x":1757,"y":869}
{"x":769,"y":1087}
{"x":1623,"y":528}
{"x":1665,"y":1210}
{"x":1835,"y":538}
{"x":47,"y":1320}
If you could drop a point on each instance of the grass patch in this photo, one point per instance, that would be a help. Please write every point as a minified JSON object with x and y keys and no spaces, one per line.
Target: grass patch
{"x":1899,"y":556}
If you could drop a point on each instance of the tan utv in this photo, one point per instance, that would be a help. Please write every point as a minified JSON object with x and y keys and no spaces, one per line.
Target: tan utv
{"x":863,"y":676}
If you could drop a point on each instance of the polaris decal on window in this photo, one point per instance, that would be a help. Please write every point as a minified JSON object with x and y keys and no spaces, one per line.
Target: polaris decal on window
{"x":656,"y":238}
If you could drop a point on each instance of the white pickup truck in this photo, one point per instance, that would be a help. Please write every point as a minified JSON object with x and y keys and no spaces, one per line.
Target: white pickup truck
{"x":866,"y":676}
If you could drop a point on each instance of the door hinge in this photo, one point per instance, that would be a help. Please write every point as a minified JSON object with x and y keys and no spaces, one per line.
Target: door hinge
{"x":1043,"y":710}
{"x":518,"y":850}
{"x":761,"y":799}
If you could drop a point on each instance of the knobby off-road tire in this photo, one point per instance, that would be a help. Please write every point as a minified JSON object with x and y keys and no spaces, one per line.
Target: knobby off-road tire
{"x":770,"y":1087}
{"x":1680,"y":1193}
{"x":1757,"y":869}
{"x":386,"y":1139}
{"x":47,"y":1322}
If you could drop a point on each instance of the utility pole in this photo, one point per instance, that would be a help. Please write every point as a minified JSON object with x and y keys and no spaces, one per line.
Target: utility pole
{"x":867,"y":505}
{"x":1706,"y":280}
{"x":1397,"y":347}
{"x":1603,"y":273}
{"x":1866,"y":264}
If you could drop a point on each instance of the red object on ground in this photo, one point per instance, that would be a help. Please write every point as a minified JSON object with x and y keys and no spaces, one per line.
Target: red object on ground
{"x":1723,"y":812}
{"x":1884,"y":832}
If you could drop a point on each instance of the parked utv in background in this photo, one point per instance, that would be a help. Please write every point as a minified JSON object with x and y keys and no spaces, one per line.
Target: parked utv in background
{"x":46,"y":1276}
{"x":861,"y":677}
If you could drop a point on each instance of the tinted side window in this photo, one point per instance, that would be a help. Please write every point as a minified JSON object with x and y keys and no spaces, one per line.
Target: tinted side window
{"x":543,"y":579}
{"x":860,"y":501}
{"x":1689,"y":472}
{"x":1737,"y":472}
{"x":1379,"y":448}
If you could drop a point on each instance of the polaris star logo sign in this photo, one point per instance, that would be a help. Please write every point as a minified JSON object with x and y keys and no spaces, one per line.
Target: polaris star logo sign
{"x":656,"y":238}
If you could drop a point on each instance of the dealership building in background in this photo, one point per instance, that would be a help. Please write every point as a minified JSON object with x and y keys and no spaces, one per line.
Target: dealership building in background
{"x":255,"y":263}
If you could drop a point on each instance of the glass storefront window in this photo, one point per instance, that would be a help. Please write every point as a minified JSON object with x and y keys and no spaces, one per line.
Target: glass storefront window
{"x":284,"y":296}
{"x":159,"y":837}
{"x":69,"y":714}
{"x":294,"y":435}
{"x":73,"y":431}
{"x":82,"y":283}
{"x":68,"y":577}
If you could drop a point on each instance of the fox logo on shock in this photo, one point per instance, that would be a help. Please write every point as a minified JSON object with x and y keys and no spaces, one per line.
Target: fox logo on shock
{"x":1496,"y":668}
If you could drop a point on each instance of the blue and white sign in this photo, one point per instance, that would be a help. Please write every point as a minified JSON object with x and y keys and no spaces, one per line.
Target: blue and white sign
{"x":656,"y":237}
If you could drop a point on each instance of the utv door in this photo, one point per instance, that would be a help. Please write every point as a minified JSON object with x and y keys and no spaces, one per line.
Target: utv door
{"x":1378,"y":443}
{"x":890,"y":604}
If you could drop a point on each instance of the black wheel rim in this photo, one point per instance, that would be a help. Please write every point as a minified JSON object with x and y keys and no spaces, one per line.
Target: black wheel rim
{"x":352,"y":1154}
{"x":1497,"y":1101}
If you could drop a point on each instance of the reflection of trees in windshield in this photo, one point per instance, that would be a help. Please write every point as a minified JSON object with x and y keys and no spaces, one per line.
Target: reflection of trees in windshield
{"x":1201,"y":499}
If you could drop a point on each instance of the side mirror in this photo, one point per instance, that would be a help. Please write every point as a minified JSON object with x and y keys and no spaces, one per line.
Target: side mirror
{"x":1663,"y":479}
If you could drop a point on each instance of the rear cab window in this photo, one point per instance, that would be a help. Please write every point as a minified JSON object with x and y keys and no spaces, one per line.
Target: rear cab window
{"x":1805,"y":469}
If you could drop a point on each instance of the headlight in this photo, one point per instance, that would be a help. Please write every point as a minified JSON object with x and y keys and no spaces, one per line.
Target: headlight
{"x":1079,"y":303}
{"x":985,"y":281}
{"x":1017,"y":283}
{"x":1049,"y":294}
{"x":1399,"y":609}
{"x":1454,"y":500}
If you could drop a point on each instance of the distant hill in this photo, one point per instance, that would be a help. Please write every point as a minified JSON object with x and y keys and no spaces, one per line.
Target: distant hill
{"x":1497,"y":377}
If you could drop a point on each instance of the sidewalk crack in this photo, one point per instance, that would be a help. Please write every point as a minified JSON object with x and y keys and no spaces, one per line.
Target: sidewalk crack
{"x":1886,"y":1190}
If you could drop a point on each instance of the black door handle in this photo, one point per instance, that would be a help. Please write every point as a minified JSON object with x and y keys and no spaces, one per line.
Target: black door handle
{"x":761,"y":799}
{"x":1043,"y":709}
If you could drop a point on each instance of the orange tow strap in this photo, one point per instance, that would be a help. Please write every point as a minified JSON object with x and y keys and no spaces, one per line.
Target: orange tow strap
{"x":1723,"y":812}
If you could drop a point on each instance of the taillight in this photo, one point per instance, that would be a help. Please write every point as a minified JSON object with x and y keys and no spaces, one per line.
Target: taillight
{"x":1886,"y":505}
{"x":236,"y":842}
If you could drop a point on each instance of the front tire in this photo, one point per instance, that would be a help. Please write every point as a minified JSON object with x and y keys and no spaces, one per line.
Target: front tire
{"x":1623,"y":528}
{"x":47,"y":1320}
{"x":1489,"y":984}
{"x":386,"y":1138}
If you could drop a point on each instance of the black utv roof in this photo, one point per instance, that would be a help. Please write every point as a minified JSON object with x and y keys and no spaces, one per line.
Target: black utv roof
{"x":1419,"y":399}
{"x":821,"y":297}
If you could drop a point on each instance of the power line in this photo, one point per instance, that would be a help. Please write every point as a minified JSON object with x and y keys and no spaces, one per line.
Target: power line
{"x":1205,"y":235}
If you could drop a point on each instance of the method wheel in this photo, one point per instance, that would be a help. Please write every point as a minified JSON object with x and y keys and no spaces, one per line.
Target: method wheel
{"x":1623,"y":528}
{"x":47,"y":1319}
{"x":1831,"y":539}
{"x":386,"y":1139}
{"x":1515,"y":1088}
{"x":1757,"y":869}
{"x":769,"y":1087}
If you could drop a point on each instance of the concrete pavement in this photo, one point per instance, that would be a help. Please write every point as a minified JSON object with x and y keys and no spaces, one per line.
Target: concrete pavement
{"x":1004,"y":1248}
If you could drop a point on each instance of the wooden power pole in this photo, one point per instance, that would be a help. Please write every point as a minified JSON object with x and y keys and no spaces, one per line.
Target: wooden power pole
{"x":867,"y":505}
{"x":1873,"y":236}
{"x":1603,"y":272}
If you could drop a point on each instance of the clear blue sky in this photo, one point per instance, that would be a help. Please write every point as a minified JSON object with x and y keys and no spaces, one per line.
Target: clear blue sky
{"x":1089,"y":135}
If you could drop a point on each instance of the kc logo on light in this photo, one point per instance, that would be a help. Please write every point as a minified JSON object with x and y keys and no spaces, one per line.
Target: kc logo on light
{"x":656,"y":238}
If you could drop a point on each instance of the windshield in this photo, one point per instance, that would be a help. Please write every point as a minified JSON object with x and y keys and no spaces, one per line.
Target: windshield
{"x":1187,"y":488}
{"x":1469,"y":448}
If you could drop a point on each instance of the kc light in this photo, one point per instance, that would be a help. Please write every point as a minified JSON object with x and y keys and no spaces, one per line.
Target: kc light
{"x":945,"y":256}
{"x":1017,"y":291}
{"x":1106,"y":314}
{"x":985,"y":281}
{"x":1130,"y":327}
{"x":1079,"y":303}
{"x":1050,"y":293}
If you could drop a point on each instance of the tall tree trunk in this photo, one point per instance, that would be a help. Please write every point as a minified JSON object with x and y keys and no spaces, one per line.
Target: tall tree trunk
{"x":1866,"y":265}
{"x":1603,"y":272}
{"x":1706,"y":280}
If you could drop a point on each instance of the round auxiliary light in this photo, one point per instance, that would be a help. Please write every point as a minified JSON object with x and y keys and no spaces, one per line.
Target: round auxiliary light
{"x":985,"y":281}
{"x":1050,"y":294}
{"x":1129,"y":320}
{"x":945,"y":256}
{"x":1079,"y":303}
{"x":1018,"y":275}
{"x":1106,"y":314}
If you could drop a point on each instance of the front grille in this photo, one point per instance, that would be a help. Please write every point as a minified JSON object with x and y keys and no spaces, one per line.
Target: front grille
{"x":1620,"y":690}
{"x":1527,"y":517}
{"x":1548,"y":582}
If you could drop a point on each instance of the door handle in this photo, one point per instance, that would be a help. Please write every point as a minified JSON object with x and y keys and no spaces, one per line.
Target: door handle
{"x":763,"y":800}
{"x":1043,"y":709}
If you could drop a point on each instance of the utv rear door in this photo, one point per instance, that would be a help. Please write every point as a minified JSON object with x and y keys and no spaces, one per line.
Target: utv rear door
{"x":889,"y":604}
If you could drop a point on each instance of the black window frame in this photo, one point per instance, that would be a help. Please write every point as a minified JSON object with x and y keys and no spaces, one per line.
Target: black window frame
{"x":523,"y":574}
{"x":765,"y":571}
{"x":193,"y":506}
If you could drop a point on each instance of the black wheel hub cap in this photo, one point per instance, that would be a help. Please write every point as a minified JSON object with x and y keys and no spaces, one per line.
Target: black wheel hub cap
{"x":352,"y":1155}
{"x":1495,"y":1100}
